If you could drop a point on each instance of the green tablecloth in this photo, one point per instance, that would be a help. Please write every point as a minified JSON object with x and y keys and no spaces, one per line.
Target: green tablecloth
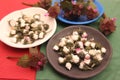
{"x":112,"y":72}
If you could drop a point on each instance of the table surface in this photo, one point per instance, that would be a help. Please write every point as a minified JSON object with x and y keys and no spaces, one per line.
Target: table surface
{"x":112,"y":72}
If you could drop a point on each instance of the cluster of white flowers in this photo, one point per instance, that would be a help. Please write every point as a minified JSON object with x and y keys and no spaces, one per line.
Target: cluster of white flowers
{"x":77,"y":49}
{"x":27,"y":29}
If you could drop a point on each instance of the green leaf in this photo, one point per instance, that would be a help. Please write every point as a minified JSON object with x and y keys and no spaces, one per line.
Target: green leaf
{"x":66,"y":5}
{"x":24,"y":61}
{"x":80,"y":0}
{"x":92,"y":4}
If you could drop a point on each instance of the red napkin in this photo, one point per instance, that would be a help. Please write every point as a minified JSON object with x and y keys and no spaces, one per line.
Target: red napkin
{"x":8,"y":68}
{"x":7,"y":6}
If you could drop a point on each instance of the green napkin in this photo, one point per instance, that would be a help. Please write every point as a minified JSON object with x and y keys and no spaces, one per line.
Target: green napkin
{"x":112,"y":72}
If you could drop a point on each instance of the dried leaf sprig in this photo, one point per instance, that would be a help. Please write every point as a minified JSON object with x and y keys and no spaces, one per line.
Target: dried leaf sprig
{"x":34,"y":59}
{"x":41,"y":3}
{"x":107,"y":25}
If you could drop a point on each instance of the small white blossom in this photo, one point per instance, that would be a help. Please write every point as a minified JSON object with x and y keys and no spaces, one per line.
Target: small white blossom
{"x":68,"y":65}
{"x":21,"y":20}
{"x":37,"y":16}
{"x":27,"y":27}
{"x":13,"y":31}
{"x":56,"y":48}
{"x":69,"y":41}
{"x":93,"y":44}
{"x":22,"y":24}
{"x":34,"y":25}
{"x":98,"y":57}
{"x":27,"y":18}
{"x":12,"y":23}
{"x":92,"y":52}
{"x":65,"y":49}
{"x":63,"y":39}
{"x":103,"y":50}
{"x":75,"y":33}
{"x":36,"y":32}
{"x":84,"y":51}
{"x":24,"y":31}
{"x":22,"y":41}
{"x":80,"y":43}
{"x":35,"y":36}
{"x":75,"y":59}
{"x":61,"y":60}
{"x":28,"y":39}
{"x":87,"y":43}
{"x":84,"y":35}
{"x":37,"y":22}
{"x":75,"y":37}
{"x":30,"y":32}
{"x":62,"y":43}
{"x":41,"y":34}
{"x":87,"y":56}
{"x":87,"y":61}
{"x":16,"y":36}
{"x":98,"y":51}
{"x":81,"y":66}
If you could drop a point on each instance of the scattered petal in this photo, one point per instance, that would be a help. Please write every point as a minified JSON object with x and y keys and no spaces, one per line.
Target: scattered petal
{"x":73,"y":2}
{"x":78,"y":50}
{"x":47,"y":14}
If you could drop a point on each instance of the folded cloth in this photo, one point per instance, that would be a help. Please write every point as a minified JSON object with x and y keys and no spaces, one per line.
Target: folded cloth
{"x":8,"y":6}
{"x":8,"y":68}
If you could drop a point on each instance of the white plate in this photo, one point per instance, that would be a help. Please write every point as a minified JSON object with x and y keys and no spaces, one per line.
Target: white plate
{"x":4,"y":26}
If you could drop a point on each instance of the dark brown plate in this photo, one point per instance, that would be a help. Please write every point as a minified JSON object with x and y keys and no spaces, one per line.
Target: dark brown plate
{"x":75,"y":72}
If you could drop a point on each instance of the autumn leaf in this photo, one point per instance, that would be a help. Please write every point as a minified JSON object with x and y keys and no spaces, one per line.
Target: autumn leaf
{"x":24,"y":61}
{"x":35,"y":59}
{"x":107,"y":25}
{"x":33,"y":51}
{"x":45,"y":4}
{"x":54,"y":10}
{"x":42,"y":3}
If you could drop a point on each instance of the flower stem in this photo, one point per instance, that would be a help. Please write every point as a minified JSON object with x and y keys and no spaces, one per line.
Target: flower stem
{"x":27,"y":4}
{"x":12,"y":57}
{"x":32,"y":5}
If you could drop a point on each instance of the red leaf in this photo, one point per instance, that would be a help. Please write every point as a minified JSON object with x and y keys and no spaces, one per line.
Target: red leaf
{"x":107,"y":25}
{"x":54,"y":10}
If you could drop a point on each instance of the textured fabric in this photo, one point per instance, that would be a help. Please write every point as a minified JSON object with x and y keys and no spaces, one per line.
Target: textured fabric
{"x":8,"y":68}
